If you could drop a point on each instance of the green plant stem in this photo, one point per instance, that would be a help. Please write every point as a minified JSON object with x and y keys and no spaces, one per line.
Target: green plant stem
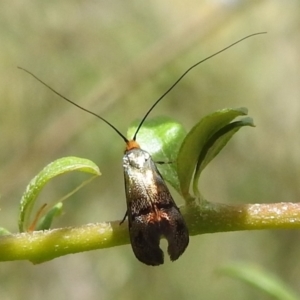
{"x":41,"y":246}
{"x":217,"y":217}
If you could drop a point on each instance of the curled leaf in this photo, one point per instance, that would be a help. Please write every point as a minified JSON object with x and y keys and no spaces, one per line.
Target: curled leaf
{"x":215,"y":144}
{"x":203,"y":143}
{"x":56,"y":168}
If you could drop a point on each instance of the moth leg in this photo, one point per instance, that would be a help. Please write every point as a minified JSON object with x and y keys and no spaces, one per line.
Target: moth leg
{"x":164,"y":162}
{"x":124,"y":218}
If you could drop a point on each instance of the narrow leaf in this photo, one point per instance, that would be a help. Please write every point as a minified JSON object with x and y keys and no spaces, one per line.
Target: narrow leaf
{"x":259,"y":278}
{"x":56,"y":168}
{"x":46,"y":221}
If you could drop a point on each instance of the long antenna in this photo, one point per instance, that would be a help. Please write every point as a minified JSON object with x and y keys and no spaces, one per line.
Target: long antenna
{"x":77,"y":105}
{"x":185,"y":73}
{"x":155,"y":103}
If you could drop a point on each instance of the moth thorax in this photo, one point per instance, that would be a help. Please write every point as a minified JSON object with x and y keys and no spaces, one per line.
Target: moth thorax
{"x":136,"y":158}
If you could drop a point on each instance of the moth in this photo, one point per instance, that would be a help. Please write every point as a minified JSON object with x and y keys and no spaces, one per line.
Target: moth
{"x":152,"y":213}
{"x":151,"y":210}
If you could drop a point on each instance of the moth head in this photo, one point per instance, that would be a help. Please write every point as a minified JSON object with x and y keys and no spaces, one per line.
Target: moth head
{"x":136,"y":158}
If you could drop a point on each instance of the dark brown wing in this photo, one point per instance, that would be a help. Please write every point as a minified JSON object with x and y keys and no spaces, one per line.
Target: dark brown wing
{"x":152,"y":212}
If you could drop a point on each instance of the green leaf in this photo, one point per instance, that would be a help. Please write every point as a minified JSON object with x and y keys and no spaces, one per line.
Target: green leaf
{"x":161,"y":137}
{"x":197,"y":139}
{"x":4,"y":231}
{"x":56,"y":168}
{"x":259,"y":278}
{"x":46,"y":221}
{"x":215,"y":144}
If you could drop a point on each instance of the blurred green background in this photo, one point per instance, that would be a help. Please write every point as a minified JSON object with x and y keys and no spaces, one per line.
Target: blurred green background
{"x":116,"y":58}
